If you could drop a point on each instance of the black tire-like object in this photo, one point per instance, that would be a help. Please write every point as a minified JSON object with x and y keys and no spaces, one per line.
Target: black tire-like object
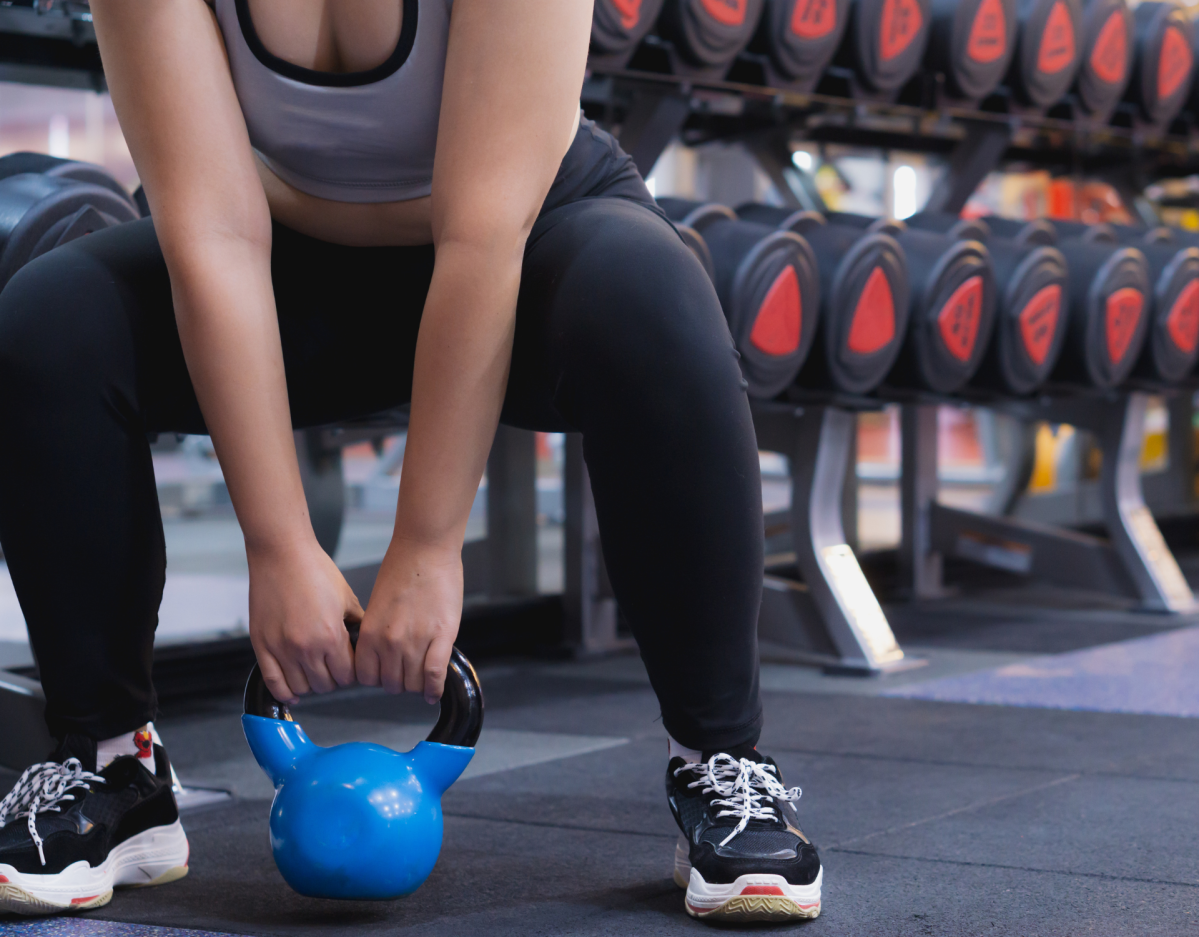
{"x":1048,"y":50}
{"x":1107,"y":56}
{"x":769,"y":289}
{"x":16,"y":163}
{"x":1023,"y":233}
{"x":1172,"y":345}
{"x":952,"y":292}
{"x":799,"y":39}
{"x":1164,"y":60}
{"x":706,"y":35}
{"x":617,"y":26}
{"x":39,"y":212}
{"x":1110,"y":296}
{"x":971,"y":42}
{"x":865,"y":300}
{"x":699,"y":247}
{"x":885,"y":41}
{"x":1030,"y":314}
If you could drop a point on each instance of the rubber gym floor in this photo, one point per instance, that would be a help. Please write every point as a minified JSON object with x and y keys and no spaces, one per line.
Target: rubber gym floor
{"x":1038,"y":776}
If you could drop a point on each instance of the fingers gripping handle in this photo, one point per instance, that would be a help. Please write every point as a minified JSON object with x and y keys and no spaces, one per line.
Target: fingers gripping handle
{"x":461,"y":718}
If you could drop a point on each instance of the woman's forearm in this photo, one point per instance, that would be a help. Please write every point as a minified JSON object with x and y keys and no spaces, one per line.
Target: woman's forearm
{"x":230,"y":336}
{"x":461,"y":372}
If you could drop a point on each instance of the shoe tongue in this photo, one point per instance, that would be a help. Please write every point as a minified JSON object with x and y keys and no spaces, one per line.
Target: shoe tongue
{"x":77,"y":746}
{"x":747,"y":751}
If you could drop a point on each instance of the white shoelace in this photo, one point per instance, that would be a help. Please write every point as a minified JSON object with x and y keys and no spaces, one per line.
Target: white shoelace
{"x":741,"y":787}
{"x":42,"y":789}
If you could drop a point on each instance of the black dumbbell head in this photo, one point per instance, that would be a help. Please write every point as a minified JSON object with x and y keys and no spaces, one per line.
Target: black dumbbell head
{"x":800,"y":38}
{"x":708,"y":34}
{"x":958,"y":228}
{"x":971,"y":43}
{"x":952,"y":311}
{"x":699,"y":247}
{"x":885,"y":41}
{"x":1172,"y":344}
{"x":1164,"y":60}
{"x":1107,"y":55}
{"x":617,"y":26}
{"x":1109,"y":313}
{"x":1024,"y":233}
{"x":1048,"y":50}
{"x":1030,"y":319}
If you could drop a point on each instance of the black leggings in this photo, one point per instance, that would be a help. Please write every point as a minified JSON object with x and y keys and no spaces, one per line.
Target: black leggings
{"x":619,"y":336}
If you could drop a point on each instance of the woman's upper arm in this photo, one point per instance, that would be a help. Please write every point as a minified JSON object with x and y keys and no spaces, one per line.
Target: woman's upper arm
{"x":514,"y":70}
{"x":170,"y":83}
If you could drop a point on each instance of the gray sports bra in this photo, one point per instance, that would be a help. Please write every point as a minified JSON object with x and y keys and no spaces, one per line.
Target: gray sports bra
{"x":350,"y":137}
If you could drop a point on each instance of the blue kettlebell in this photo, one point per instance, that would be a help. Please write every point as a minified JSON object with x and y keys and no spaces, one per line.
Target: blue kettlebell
{"x":360,"y":820}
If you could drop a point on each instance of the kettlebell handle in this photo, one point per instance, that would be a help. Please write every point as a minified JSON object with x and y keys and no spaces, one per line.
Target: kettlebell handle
{"x":460,"y":721}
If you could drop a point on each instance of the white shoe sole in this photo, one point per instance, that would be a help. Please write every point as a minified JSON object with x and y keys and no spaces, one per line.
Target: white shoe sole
{"x":155,"y":857}
{"x":769,"y":898}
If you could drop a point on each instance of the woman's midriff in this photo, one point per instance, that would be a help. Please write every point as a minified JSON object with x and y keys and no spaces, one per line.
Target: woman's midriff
{"x":354,"y":224}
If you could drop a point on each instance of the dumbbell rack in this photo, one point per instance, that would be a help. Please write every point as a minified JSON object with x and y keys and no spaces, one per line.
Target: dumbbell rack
{"x":1134,"y":562}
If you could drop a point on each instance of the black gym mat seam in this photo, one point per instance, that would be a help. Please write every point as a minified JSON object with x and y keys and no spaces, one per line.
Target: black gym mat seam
{"x":966,"y":808}
{"x":1010,"y":868}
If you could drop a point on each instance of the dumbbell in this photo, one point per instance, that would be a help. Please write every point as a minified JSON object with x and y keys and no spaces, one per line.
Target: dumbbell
{"x":952,"y":291}
{"x":798,"y":39}
{"x":39,"y":212}
{"x":971,"y":43}
{"x":884,"y":42}
{"x":1172,"y":344}
{"x":16,"y":163}
{"x":864,"y":286}
{"x":1047,"y":51}
{"x":706,"y":35}
{"x":1163,"y":61}
{"x":617,"y":27}
{"x":1110,"y":296}
{"x":1107,"y":55}
{"x":768,"y":286}
{"x":1023,"y":233}
{"x":1030,"y":317}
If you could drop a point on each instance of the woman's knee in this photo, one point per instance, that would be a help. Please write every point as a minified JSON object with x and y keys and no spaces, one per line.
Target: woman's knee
{"x":635,"y":299}
{"x":51,"y":330}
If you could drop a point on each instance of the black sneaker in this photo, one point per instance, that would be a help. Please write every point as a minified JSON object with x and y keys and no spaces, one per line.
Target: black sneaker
{"x":69,"y":834}
{"x":741,"y":855}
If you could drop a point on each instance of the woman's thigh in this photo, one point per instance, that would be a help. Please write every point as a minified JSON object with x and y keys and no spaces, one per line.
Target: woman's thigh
{"x":615,"y":312}
{"x":96,"y":316}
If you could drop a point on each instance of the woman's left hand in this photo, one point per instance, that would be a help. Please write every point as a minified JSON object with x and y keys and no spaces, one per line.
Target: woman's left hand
{"x":408,"y":632}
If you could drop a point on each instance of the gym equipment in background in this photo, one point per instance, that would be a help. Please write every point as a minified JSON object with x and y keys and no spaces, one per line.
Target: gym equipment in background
{"x":359,"y":820}
{"x":1109,"y":300}
{"x":699,"y":247}
{"x":1172,"y":343}
{"x":1023,"y":233}
{"x":971,"y":42}
{"x":884,"y":42}
{"x":705,"y":36}
{"x":1107,"y":56}
{"x":952,"y":292}
{"x":1164,"y":60}
{"x":617,"y":26}
{"x":1047,"y":51}
{"x":768,"y":286}
{"x":865,"y":300}
{"x":45,"y":202}
{"x":798,"y":39}
{"x":1030,"y":319}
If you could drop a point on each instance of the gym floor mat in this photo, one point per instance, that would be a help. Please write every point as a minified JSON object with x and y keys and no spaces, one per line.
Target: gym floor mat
{"x":1153,"y":675}
{"x":87,"y":927}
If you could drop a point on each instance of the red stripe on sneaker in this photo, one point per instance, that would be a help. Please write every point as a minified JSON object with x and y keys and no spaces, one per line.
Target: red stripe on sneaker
{"x":84,"y":900}
{"x":3,"y":879}
{"x":761,"y":890}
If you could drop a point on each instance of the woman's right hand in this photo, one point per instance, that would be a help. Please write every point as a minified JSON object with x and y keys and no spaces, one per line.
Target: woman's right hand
{"x":299,"y":604}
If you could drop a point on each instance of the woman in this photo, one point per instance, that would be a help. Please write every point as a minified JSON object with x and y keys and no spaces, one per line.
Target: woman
{"x":358,"y":205}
